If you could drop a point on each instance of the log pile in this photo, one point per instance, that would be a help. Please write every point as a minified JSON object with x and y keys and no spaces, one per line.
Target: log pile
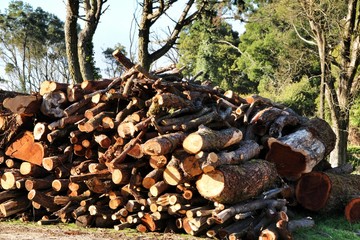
{"x":154,"y":152}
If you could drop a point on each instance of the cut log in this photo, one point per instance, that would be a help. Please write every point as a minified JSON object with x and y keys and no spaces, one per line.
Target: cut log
{"x":8,"y":179}
{"x":23,"y":104}
{"x":163,"y":144}
{"x":89,"y":86}
{"x":234,"y":183}
{"x":60,"y":185}
{"x":96,"y":121}
{"x":299,"y":152}
{"x":352,"y":210}
{"x":39,"y":183}
{"x":13,"y":206}
{"x":230,"y":212}
{"x":25,"y":148}
{"x":74,"y":92}
{"x":152,"y":177}
{"x":158,"y":161}
{"x":29,"y":169}
{"x":158,"y":188}
{"x":50,"y":163}
{"x":52,"y":104}
{"x":121,"y":58}
{"x":173,"y":174}
{"x":206,"y":139}
{"x":247,"y":150}
{"x":326,"y":192}
{"x":65,"y":121}
{"x":43,"y":199}
{"x":51,"y":86}
{"x":40,"y":131}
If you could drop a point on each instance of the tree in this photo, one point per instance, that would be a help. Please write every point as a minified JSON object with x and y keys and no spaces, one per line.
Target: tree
{"x":113,"y":67}
{"x":79,"y":46}
{"x":152,"y":11}
{"x":336,"y":32}
{"x":32,"y":47}
{"x":207,"y":47}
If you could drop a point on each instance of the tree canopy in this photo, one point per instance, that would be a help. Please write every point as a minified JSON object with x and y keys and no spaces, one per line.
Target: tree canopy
{"x":32,"y":47}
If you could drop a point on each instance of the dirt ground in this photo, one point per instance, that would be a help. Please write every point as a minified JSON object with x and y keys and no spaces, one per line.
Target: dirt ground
{"x":32,"y":231}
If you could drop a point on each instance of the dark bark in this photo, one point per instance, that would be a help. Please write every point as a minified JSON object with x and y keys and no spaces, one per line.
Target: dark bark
{"x":93,"y":11}
{"x":71,"y":39}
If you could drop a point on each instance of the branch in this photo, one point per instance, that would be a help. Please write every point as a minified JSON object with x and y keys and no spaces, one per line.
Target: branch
{"x":183,"y":21}
{"x":305,"y":40}
{"x":231,"y":45}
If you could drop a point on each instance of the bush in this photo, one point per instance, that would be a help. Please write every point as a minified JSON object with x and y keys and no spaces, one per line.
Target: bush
{"x":354,"y":155}
{"x":299,"y":96}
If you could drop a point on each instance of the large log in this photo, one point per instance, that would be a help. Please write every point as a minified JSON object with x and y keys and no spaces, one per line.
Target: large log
{"x":301,"y":151}
{"x":206,"y":139}
{"x":352,"y":210}
{"x":234,"y":183}
{"x":25,"y":148}
{"x":13,"y":206}
{"x":23,"y":104}
{"x":326,"y":192}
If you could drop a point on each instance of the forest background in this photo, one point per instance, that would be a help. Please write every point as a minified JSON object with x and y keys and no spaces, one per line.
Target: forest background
{"x":304,"y":54}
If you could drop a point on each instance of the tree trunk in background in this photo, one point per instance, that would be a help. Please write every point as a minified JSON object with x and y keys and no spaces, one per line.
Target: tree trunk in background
{"x":339,"y":73}
{"x":340,"y":124}
{"x":151,"y":12}
{"x":144,"y":36}
{"x":71,"y":39}
{"x":93,"y":11}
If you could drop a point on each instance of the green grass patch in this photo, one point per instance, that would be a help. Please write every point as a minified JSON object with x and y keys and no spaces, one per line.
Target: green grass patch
{"x":329,"y":227}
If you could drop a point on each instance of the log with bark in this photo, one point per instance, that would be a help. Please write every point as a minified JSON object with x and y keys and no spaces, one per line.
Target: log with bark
{"x":327,"y":192}
{"x":235,"y":183}
{"x":146,"y":149}
{"x":300,"y":151}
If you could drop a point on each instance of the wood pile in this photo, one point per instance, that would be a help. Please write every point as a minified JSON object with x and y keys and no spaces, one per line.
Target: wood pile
{"x":154,"y":152}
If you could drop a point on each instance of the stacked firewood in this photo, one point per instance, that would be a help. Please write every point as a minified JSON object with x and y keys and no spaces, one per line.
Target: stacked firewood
{"x":154,"y":152}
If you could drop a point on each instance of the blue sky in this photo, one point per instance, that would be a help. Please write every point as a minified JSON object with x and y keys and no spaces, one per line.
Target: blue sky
{"x":115,"y":24}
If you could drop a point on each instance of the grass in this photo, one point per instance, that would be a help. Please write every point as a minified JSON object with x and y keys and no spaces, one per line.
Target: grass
{"x":329,"y":227}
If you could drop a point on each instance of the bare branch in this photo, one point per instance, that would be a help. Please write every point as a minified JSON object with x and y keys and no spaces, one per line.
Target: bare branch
{"x":305,"y":40}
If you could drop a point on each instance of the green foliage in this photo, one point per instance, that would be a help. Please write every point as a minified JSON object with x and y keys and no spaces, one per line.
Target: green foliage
{"x":354,"y":155}
{"x":355,"y":113}
{"x":272,"y":54}
{"x":32,"y":46}
{"x":208,"y":46}
{"x":297,"y":95}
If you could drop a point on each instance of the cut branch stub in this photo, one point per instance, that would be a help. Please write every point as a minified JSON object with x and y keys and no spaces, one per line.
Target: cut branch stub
{"x":206,"y":139}
{"x":299,"y":152}
{"x":326,"y":192}
{"x":234,"y":183}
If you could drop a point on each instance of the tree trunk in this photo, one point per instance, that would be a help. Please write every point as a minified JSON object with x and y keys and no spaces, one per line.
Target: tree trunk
{"x":338,"y":156}
{"x":144,"y":36}
{"x":93,"y":10}
{"x":234,"y":183}
{"x":71,"y":39}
